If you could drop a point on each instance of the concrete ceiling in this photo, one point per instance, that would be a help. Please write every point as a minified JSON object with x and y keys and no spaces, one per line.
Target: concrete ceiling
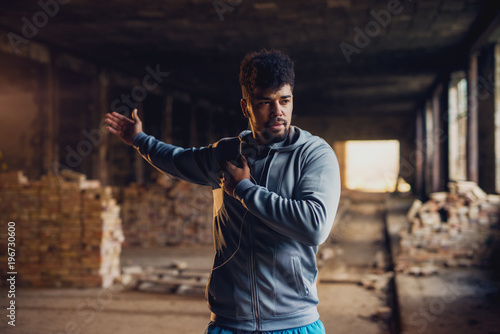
{"x":201,"y":42}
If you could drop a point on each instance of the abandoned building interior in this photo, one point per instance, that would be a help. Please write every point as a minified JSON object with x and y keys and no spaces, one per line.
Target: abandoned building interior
{"x":406,"y":92}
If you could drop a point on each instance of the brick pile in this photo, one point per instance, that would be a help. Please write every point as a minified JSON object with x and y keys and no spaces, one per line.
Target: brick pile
{"x":68,"y":230}
{"x":170,"y":212}
{"x":455,"y":228}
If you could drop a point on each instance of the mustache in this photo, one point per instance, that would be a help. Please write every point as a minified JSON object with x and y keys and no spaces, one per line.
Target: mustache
{"x":275,"y":120}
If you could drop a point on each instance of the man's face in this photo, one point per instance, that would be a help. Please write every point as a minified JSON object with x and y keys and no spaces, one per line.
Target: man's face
{"x":270,"y":113}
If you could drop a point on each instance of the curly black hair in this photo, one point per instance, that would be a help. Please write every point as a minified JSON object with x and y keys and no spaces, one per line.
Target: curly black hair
{"x":265,"y":69}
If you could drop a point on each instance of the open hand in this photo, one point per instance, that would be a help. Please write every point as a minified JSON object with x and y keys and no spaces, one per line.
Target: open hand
{"x":123,"y":127}
{"x":234,"y":174}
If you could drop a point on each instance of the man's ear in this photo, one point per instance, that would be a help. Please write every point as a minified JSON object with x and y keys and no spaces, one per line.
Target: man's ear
{"x":244,"y":107}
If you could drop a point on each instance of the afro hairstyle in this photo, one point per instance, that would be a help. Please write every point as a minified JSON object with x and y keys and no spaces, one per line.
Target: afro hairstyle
{"x":265,"y":69}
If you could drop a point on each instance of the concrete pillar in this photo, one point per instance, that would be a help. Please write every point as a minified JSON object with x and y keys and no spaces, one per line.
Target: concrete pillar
{"x":443,"y":136}
{"x":436,"y":142}
{"x":419,"y":156}
{"x":496,"y":92}
{"x":472,"y":133}
{"x":104,"y":106}
{"x":167,"y":119}
{"x":51,"y":161}
{"x":429,"y":147}
{"x":486,"y":119}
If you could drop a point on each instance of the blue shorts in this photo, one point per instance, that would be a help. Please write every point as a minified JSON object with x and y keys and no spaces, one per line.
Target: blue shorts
{"x":314,"y":328}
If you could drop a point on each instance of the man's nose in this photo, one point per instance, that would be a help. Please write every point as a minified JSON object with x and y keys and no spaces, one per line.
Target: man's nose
{"x":277,"y":109}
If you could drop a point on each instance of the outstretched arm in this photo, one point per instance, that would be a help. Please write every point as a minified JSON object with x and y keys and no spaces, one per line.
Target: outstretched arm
{"x":123,"y":127}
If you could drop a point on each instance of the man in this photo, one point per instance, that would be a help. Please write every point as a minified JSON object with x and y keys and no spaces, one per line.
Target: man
{"x":276,"y":190}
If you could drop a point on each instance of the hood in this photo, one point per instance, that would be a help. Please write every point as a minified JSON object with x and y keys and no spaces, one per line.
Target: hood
{"x":296,"y":138}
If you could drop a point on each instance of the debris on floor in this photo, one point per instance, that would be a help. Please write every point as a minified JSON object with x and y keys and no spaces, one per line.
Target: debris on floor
{"x":175,"y":278}
{"x":376,"y":282}
{"x":455,"y":228}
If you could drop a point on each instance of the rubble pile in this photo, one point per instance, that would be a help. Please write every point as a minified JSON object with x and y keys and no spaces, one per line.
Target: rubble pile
{"x":68,"y":230}
{"x":455,"y":228}
{"x":170,"y":212}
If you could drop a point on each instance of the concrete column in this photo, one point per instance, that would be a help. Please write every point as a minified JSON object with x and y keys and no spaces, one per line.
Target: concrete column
{"x":496,"y":92}
{"x":103,"y":165}
{"x":429,"y":146}
{"x":472,"y":134}
{"x":436,"y":142}
{"x":51,"y":161}
{"x":486,"y":119}
{"x":167,"y":119}
{"x":443,"y":136}
{"x":419,"y":156}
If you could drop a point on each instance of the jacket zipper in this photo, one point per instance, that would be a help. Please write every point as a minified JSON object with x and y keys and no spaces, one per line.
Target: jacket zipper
{"x":252,"y":266}
{"x":254,"y":287}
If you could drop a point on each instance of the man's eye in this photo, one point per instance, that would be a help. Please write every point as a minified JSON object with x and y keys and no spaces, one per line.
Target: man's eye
{"x":285,"y":101}
{"x":262,"y":103}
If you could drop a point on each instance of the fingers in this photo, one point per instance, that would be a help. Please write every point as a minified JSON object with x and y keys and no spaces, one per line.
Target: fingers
{"x":113,"y":131}
{"x":135,"y":116}
{"x":117,"y":121}
{"x":244,"y":161}
{"x":119,"y":117}
{"x":230,"y":167}
{"x":111,"y":122}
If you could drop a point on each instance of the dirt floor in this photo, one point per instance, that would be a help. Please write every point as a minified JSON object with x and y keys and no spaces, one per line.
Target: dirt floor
{"x":355,"y":292}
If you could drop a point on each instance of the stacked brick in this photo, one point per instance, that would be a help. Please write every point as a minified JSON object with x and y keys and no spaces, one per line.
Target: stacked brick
{"x":171,"y":212}
{"x":455,"y":228}
{"x":145,"y":213}
{"x":68,"y":233}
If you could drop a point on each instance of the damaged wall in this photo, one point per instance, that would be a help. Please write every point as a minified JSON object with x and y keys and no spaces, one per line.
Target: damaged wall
{"x":53,"y":106}
{"x":23,"y":95}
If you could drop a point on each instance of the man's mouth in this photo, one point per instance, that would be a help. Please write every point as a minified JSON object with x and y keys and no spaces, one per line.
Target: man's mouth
{"x":276,"y":125}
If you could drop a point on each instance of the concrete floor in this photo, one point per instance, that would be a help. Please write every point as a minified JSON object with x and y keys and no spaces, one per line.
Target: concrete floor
{"x":457,"y":300}
{"x":346,"y":306}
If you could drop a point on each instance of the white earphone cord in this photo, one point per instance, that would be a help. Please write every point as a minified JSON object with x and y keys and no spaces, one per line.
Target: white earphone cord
{"x":243,"y":218}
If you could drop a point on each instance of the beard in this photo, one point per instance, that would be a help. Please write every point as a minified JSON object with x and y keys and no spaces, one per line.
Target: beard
{"x":268,"y":135}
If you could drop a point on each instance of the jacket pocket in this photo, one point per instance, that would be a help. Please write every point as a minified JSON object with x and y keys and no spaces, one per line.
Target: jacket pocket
{"x":301,"y":284}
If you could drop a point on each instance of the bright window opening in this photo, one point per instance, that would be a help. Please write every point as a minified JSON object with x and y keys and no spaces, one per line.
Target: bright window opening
{"x":457,"y":109}
{"x":373,"y":166}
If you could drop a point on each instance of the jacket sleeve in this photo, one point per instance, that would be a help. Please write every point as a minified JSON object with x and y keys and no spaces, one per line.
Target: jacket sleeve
{"x":194,"y":165}
{"x":308,"y":217}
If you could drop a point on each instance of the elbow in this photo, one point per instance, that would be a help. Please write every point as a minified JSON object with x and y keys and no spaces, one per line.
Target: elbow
{"x":317,"y":237}
{"x":320,"y":227}
{"x":322,"y":216}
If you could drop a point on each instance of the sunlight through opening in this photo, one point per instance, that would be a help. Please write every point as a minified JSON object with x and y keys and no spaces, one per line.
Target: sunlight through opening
{"x":373,"y":165}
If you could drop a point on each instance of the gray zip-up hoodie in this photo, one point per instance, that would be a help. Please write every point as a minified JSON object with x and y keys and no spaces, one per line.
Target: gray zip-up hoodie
{"x":266,"y":236}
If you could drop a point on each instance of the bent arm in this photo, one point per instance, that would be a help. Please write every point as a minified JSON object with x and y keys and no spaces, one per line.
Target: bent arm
{"x":309,"y":216}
